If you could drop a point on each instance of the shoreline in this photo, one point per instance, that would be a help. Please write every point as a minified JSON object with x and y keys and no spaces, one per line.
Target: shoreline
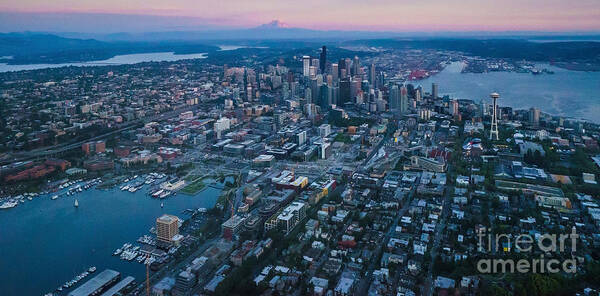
{"x":116,"y":60}
{"x":556,"y":70}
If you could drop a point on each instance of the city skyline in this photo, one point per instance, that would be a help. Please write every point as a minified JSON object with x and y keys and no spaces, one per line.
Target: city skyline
{"x":336,"y":147}
{"x":381,"y":15}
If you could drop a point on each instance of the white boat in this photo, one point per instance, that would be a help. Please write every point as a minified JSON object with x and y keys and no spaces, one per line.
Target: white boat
{"x":76,"y":203}
{"x":164,"y":194}
{"x":162,"y":205}
{"x":54,"y":197}
{"x":157,"y":193}
{"x":92,"y":269}
{"x":8,"y":205}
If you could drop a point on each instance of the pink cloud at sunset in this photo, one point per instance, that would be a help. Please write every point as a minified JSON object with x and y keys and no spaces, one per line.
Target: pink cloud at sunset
{"x":377,"y":15}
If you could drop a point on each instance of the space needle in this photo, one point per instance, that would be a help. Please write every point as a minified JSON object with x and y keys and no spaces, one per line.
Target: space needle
{"x":494,"y":127}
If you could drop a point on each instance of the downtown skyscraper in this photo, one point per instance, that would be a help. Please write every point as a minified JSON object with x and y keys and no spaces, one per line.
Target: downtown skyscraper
{"x":323,"y":59}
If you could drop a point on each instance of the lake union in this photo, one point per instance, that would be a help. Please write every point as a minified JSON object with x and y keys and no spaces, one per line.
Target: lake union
{"x":45,"y":243}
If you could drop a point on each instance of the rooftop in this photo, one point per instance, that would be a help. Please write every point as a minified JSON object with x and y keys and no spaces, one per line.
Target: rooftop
{"x":96,"y":283}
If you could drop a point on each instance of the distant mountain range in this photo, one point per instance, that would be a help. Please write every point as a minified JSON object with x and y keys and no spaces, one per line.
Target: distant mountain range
{"x":277,"y":29}
{"x":273,"y":30}
{"x":35,"y":47}
{"x":29,"y":48}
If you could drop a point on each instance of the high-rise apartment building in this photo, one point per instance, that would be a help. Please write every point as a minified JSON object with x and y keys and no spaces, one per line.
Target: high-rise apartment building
{"x":167,"y":226}
{"x":534,"y":116}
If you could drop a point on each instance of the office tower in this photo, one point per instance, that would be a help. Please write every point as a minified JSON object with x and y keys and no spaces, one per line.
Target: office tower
{"x":320,"y":79}
{"x":355,"y":87}
{"x":323,"y":58}
{"x":394,"y":98}
{"x":381,"y":105}
{"x":249,"y":93}
{"x":424,"y":114}
{"x":310,"y":110}
{"x":330,"y":96}
{"x":454,"y":107}
{"x":335,"y":99}
{"x":341,"y":66}
{"x":355,"y":66}
{"x":324,"y":96}
{"x":380,"y":78}
{"x":167,"y":226}
{"x":364,"y":86}
{"x":343,"y":74}
{"x":315,"y":63}
{"x":534,"y":116}
{"x":295,"y":89}
{"x":329,"y":80}
{"x":301,"y":138}
{"x":348,"y":63}
{"x":411,"y":90}
{"x":335,"y":72}
{"x":344,"y":91}
{"x":483,"y":108}
{"x":324,"y":130}
{"x":417,"y":95}
{"x":308,"y":95}
{"x":494,"y":126}
{"x":314,"y":89}
{"x":434,"y":91}
{"x":403,"y":100}
{"x":305,"y":65}
{"x":312,"y":71}
{"x":372,"y":77}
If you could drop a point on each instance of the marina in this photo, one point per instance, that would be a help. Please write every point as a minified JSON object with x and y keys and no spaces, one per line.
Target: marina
{"x":50,"y":223}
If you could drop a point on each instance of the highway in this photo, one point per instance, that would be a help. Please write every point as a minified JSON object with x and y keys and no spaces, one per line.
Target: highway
{"x":51,"y":150}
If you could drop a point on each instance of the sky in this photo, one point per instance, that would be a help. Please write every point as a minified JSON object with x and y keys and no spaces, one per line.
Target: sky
{"x":367,"y":15}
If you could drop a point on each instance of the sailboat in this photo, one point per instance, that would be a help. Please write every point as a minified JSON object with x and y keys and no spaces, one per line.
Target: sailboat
{"x":76,"y":203}
{"x":162,"y":204}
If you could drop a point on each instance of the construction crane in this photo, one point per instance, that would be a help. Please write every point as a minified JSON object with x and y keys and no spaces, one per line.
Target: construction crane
{"x":231,"y":204}
{"x":147,"y":262}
